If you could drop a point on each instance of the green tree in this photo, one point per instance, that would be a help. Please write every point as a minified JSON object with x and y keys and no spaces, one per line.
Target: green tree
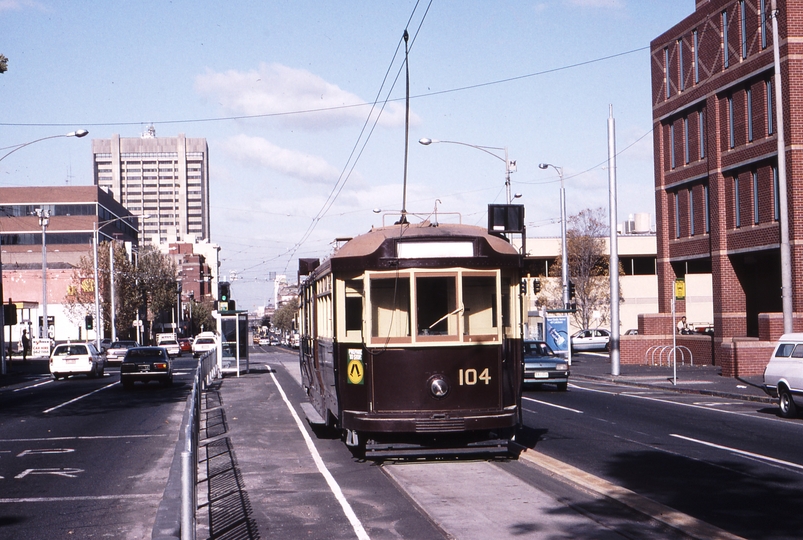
{"x":285,"y":315}
{"x":3,"y":64}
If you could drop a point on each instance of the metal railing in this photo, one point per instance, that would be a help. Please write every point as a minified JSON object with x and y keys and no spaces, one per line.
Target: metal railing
{"x":666,"y":351}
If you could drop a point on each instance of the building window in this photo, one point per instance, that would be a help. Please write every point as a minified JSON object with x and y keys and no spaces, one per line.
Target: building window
{"x":667,"y":72}
{"x":707,"y":209}
{"x":749,"y":97}
{"x":755,"y":198}
{"x":776,"y":193}
{"x":763,"y":15}
{"x":677,"y":214}
{"x":696,"y":57}
{"x":672,"y":145}
{"x":731,"y":127}
{"x":691,"y":211}
{"x":770,"y":118}
{"x":682,"y":80}
{"x":737,"y":202}
{"x":743,"y":26}
{"x":701,"y":125}
{"x":725,"y":55}
{"x":686,"y":150}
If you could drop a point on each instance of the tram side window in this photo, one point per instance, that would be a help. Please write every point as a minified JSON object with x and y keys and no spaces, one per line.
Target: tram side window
{"x":390,"y":307}
{"x":479,"y":299}
{"x":353,"y":306}
{"x":435,"y":306}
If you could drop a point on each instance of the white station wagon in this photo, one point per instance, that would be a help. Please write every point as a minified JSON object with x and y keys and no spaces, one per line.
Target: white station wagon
{"x":73,"y":358}
{"x":783,"y":376}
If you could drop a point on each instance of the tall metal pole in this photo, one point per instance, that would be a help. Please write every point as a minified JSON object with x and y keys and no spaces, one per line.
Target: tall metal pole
{"x":111,"y":289}
{"x":613,"y":266}
{"x":786,"y":251}
{"x":97,"y":325}
{"x":44,"y":219}
{"x":406,"y":129}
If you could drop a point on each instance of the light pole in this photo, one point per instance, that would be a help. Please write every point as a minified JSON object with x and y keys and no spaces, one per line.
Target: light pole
{"x":564,"y":255}
{"x":510,"y":166}
{"x":44,"y":219}
{"x":78,"y":133}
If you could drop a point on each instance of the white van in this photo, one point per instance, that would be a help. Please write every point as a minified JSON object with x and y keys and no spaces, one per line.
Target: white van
{"x":783,"y":376}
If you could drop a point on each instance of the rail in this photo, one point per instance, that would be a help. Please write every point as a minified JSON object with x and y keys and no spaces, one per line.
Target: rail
{"x":175,"y":518}
{"x":668,"y":349}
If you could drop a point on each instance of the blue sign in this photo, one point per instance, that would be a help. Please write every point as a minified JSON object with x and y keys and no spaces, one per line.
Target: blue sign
{"x":557,"y":333}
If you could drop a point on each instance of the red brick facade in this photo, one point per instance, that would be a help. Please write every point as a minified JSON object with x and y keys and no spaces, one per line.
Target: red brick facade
{"x":717,"y":201}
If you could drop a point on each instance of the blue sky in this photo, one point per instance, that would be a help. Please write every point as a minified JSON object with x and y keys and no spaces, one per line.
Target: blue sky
{"x":279,"y":89}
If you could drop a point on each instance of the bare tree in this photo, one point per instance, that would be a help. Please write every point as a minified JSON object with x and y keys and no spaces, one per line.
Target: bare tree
{"x":3,"y":64}
{"x":588,"y":270}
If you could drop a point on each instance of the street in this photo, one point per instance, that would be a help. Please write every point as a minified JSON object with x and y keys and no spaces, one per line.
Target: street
{"x":83,"y":458}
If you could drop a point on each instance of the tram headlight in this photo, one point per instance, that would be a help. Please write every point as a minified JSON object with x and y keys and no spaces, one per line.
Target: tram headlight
{"x":438,"y":386}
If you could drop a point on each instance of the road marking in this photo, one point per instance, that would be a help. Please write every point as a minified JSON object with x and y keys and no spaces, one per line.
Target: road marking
{"x":359,"y":530}
{"x":81,"y":438}
{"x":40,"y":451}
{"x":48,"y":381}
{"x":68,"y":473}
{"x":79,"y":397}
{"x":80,"y":498}
{"x":552,"y":405}
{"x":740,"y":452}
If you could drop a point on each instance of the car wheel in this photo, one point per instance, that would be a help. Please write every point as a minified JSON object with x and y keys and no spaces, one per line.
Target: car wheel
{"x":56,"y":376}
{"x":786,"y":404}
{"x":562,"y":386}
{"x":608,"y":347}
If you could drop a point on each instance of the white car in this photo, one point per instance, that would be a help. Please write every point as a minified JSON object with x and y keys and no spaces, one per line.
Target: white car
{"x":203,"y":342}
{"x":76,"y":358}
{"x":171,"y":346}
{"x":783,"y":376}
{"x":596,"y":339}
{"x":116,"y":352}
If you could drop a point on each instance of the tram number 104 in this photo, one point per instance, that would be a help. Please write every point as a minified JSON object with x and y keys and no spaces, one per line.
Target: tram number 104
{"x":470,"y":377}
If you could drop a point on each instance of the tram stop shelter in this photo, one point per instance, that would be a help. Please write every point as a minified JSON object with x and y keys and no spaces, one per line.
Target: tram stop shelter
{"x":232,"y":354}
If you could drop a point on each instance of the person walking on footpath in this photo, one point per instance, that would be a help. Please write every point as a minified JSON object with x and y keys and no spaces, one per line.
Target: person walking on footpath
{"x":26,"y":344}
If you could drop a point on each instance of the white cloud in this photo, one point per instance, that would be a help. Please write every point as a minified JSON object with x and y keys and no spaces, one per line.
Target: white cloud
{"x":19,"y":5}
{"x":277,"y":90}
{"x":598,"y":3}
{"x":260,"y":152}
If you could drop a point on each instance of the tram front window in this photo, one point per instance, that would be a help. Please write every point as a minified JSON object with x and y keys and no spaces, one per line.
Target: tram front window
{"x":390,"y":307}
{"x":436,"y":312}
{"x":479,"y":299}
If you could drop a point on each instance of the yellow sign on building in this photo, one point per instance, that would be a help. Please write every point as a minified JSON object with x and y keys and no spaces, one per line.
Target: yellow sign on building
{"x":680,"y":289}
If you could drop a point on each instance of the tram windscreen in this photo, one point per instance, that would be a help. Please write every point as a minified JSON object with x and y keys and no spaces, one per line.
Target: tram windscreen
{"x":435,"y":304}
{"x":390,"y":307}
{"x":479,"y":299}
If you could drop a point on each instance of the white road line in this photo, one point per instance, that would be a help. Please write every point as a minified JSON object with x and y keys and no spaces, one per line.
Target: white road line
{"x":740,"y":452}
{"x":79,"y":397}
{"x":33,"y":385}
{"x":359,"y":530}
{"x":83,"y":498}
{"x":552,"y":405}
{"x":82,"y":438}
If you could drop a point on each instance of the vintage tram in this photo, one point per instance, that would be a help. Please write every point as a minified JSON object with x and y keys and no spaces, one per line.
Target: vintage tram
{"x":411,"y":340}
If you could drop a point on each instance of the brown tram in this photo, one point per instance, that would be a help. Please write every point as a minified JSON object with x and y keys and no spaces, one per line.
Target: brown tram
{"x":411,"y":340}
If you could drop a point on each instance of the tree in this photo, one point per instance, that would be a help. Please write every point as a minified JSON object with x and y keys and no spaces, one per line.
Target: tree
{"x":285,"y":315}
{"x":3,"y":64}
{"x":588,"y":270}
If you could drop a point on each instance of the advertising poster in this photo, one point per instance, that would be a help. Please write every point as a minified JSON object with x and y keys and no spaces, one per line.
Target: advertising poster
{"x":557,"y":332}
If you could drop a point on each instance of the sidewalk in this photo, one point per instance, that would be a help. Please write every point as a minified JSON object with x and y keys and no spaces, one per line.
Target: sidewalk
{"x":18,"y":371}
{"x":705,"y":380}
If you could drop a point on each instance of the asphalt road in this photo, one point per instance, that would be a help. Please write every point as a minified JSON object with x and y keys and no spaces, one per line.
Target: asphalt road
{"x":83,"y":458}
{"x":730,"y":463}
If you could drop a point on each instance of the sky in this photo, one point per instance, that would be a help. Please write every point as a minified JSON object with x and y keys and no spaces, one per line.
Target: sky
{"x":302,"y":104}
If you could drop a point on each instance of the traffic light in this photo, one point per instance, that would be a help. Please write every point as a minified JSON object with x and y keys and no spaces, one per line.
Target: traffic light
{"x":523,"y":287}
{"x":89,"y":321}
{"x":223,"y":291}
{"x":572,"y":291}
{"x":536,"y":286}
{"x":9,"y":314}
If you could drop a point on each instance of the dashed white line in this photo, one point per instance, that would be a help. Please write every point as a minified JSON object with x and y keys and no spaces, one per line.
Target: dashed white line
{"x":48,"y":381}
{"x":740,"y":452}
{"x":552,"y":405}
{"x":51,"y":409}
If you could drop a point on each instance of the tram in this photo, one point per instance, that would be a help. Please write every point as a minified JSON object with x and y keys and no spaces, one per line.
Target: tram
{"x":411,"y":340}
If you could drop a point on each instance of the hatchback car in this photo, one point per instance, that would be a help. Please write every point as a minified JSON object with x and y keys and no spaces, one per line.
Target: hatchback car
{"x":597,"y":339}
{"x":185,"y":344}
{"x":117,"y":350}
{"x":783,"y":376}
{"x":542,"y":365}
{"x":76,"y":358}
{"x":146,"y":364}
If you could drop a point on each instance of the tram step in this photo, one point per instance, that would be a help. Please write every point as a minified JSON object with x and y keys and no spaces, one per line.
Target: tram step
{"x":312,"y":415}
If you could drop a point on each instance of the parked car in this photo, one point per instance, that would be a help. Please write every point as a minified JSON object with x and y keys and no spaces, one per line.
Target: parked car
{"x":185,"y":344}
{"x":117,"y":350}
{"x":542,"y":365}
{"x":74,"y":358}
{"x":632,"y":332}
{"x":597,"y":339}
{"x":783,"y":376}
{"x":205,"y":341}
{"x":264,"y":341}
{"x":105,"y":343}
{"x":146,"y":364}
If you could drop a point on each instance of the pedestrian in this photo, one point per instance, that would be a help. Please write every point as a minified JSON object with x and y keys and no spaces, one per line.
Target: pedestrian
{"x":683,"y":327}
{"x":26,"y":345}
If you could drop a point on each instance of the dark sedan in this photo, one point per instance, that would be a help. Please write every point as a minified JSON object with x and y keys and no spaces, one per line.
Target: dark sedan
{"x":543,"y":366}
{"x":146,"y":364}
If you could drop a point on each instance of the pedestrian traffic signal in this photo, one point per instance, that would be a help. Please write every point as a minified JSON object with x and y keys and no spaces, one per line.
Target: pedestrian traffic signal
{"x":9,"y":314}
{"x":572,"y":291}
{"x":90,"y":323}
{"x":536,"y":286}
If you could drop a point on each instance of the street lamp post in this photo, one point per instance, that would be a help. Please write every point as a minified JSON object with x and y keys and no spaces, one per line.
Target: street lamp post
{"x":44,"y":219}
{"x":564,"y":257}
{"x":510,"y":166}
{"x":78,"y":133}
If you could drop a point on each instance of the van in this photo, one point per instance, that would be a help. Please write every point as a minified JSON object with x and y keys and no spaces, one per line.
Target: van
{"x":783,"y":376}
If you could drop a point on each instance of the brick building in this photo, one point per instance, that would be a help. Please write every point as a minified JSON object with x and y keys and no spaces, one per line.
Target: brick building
{"x":716,"y":177}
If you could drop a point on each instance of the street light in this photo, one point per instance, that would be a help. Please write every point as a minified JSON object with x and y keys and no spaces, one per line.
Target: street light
{"x":564,"y":261}
{"x":44,"y":219}
{"x":96,"y":226}
{"x":510,"y":166}
{"x":77,"y":133}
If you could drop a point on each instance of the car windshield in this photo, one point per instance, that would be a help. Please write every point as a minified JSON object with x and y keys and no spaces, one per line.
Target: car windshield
{"x":537,"y":349}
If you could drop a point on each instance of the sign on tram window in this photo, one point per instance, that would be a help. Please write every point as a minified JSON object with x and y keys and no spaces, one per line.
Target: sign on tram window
{"x":433,"y":250}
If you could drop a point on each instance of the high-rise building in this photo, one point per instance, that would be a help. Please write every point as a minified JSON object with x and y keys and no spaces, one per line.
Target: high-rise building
{"x":165,"y":178}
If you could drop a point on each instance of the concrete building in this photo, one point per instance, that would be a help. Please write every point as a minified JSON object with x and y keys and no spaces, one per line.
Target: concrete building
{"x":75,"y":212}
{"x":716,"y":172}
{"x":166,"y":178}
